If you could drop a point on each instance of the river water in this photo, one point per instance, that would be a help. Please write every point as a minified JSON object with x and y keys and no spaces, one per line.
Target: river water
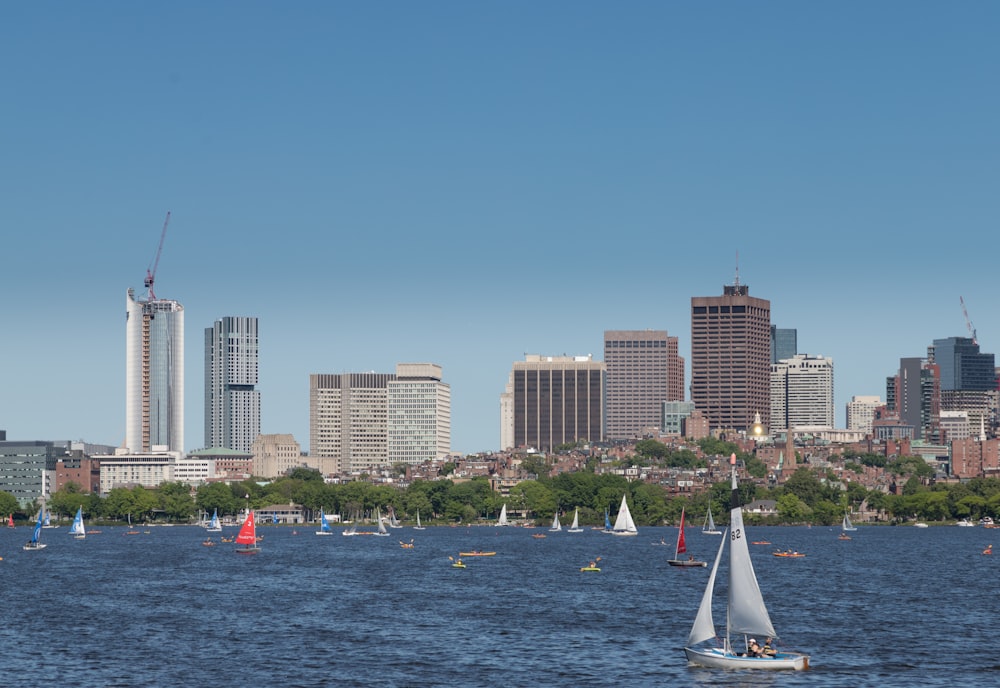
{"x":894,"y":606}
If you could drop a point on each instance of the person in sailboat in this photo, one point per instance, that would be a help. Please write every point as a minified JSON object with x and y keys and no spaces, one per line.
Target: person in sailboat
{"x":767,"y":650}
{"x":753,"y":649}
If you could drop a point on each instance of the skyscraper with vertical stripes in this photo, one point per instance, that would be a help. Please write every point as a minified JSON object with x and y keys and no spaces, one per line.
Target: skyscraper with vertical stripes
{"x":731,"y":358}
{"x":232,"y":401}
{"x":154,"y":373}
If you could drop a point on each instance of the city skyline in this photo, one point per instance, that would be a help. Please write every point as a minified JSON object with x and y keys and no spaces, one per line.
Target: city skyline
{"x":466,"y":184}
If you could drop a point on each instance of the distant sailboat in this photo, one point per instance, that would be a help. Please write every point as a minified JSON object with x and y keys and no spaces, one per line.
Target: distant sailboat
{"x":846,"y":525}
{"x":48,"y":520}
{"x":33,"y":543}
{"x":77,"y":530}
{"x":502,"y":521}
{"x":681,"y":548}
{"x":324,"y":525}
{"x":215,"y":526}
{"x":10,"y":521}
{"x":247,"y":539}
{"x":607,"y":522}
{"x":418,"y":526}
{"x":393,"y":521}
{"x":556,"y":526}
{"x":381,"y":524}
{"x":709,"y":527}
{"x":624,"y":525}
{"x":575,"y":528}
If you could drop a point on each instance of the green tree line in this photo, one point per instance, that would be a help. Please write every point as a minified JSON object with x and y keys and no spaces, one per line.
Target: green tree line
{"x":808,"y":496}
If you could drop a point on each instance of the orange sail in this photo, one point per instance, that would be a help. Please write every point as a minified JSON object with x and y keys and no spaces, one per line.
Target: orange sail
{"x":248,"y":534}
{"x":681,"y":545}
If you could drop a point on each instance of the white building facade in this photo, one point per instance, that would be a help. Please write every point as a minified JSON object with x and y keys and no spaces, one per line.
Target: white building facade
{"x":861,"y":412}
{"x":802,"y":393}
{"x":418,"y":414}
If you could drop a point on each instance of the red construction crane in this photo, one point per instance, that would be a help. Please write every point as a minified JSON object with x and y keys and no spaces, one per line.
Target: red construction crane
{"x":968,"y":323}
{"x":151,"y":272}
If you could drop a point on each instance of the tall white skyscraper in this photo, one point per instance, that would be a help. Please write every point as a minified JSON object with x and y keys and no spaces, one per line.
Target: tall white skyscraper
{"x":232,"y":402}
{"x":802,"y":393}
{"x":154,"y":374}
{"x":418,"y":421}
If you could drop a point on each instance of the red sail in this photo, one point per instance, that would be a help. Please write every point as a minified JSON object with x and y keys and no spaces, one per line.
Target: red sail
{"x":248,"y":533}
{"x":681,"y":546}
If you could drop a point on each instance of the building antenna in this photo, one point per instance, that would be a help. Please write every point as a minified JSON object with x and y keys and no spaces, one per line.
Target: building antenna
{"x":737,"y":268}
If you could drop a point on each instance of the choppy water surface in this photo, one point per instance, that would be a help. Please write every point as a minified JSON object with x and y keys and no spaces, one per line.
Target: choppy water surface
{"x":891,"y":607}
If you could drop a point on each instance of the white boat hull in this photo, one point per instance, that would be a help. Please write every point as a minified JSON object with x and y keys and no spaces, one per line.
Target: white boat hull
{"x":716,"y":658}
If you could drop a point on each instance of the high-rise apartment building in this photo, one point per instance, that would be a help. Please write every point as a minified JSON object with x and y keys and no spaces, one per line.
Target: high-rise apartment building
{"x":968,"y":379}
{"x":731,"y":358}
{"x":154,"y":374}
{"x":365,"y":421}
{"x":784,"y":343}
{"x":418,"y":407}
{"x":861,"y":412}
{"x":914,"y":395}
{"x":643,"y":371}
{"x":555,"y":400}
{"x":232,"y":402}
{"x":802,"y":393}
{"x":348,"y":420}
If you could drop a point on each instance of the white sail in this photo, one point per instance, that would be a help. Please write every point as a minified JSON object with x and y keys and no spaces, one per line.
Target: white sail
{"x":418,"y":526}
{"x":381,"y":524}
{"x":624,"y":525}
{"x":502,"y":521}
{"x":709,"y":528}
{"x":747,"y":613}
{"x":77,"y":529}
{"x":556,"y":526}
{"x":704,"y":625}
{"x":575,"y":528}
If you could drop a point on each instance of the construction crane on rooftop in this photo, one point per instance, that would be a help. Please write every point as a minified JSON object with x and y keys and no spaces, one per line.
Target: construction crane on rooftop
{"x":151,"y":272}
{"x":968,"y":323}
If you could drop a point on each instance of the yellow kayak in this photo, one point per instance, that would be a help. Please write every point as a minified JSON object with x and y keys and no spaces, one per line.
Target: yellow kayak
{"x":589,"y":568}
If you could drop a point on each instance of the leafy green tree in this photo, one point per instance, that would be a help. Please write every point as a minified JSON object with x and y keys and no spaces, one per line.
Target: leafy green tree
{"x":652,"y":449}
{"x":217,"y":496}
{"x":175,"y":501}
{"x":8,"y":504}
{"x":792,"y":509}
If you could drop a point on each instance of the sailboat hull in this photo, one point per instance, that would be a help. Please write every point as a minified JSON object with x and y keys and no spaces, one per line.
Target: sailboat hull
{"x":716,"y":658}
{"x":685,"y":562}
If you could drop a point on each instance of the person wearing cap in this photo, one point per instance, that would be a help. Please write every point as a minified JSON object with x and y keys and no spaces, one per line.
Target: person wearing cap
{"x":753,"y":649}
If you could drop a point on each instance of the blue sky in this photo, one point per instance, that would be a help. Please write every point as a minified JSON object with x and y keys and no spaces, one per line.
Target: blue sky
{"x":463,"y":183}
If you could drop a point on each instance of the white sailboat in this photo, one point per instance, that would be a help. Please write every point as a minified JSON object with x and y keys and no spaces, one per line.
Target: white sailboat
{"x":575,"y":528}
{"x":556,"y":526}
{"x":746,"y":614}
{"x":381,"y":524}
{"x":709,"y":527}
{"x":77,"y":529}
{"x":418,"y":526}
{"x":502,"y":521}
{"x":214,"y":526}
{"x":393,"y":521}
{"x":846,"y":526}
{"x":324,"y":525}
{"x":624,"y":525}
